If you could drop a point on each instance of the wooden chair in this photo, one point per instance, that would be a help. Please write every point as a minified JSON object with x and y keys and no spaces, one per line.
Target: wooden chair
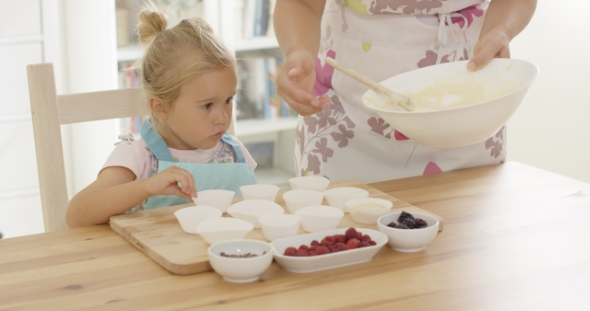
{"x":49,"y":112}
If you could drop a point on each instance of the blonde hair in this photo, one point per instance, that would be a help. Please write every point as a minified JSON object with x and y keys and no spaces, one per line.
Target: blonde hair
{"x":175,"y":56}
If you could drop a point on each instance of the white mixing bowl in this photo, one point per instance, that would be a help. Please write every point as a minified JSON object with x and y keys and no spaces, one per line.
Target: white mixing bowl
{"x":464,"y":125}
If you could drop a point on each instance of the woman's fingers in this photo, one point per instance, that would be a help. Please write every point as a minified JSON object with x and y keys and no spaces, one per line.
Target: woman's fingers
{"x":295,"y":84}
{"x":493,"y":45}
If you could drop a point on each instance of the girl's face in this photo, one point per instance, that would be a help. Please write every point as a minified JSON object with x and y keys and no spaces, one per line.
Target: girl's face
{"x":202,"y":112}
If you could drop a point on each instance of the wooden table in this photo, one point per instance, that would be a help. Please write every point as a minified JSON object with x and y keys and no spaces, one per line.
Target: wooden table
{"x":515,"y":238}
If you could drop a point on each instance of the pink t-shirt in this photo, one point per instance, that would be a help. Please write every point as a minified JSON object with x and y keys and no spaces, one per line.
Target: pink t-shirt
{"x":135,"y":155}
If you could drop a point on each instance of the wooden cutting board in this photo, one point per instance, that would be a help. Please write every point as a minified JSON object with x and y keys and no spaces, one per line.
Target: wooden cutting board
{"x":158,"y":234}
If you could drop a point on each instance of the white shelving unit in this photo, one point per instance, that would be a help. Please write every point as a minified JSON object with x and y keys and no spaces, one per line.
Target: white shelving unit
{"x":129,"y":53}
{"x":256,"y":44}
{"x":252,"y":127}
{"x":133,"y":52}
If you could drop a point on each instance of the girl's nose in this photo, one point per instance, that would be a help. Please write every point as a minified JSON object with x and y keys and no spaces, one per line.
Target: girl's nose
{"x":222,"y":115}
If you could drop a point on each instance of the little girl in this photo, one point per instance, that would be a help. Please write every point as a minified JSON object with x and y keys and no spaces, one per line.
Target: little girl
{"x":190,"y":79}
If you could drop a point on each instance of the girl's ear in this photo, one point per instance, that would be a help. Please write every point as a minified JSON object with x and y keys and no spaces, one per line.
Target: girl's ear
{"x":158,"y":107}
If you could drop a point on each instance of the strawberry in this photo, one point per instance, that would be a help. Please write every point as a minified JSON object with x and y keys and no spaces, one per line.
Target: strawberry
{"x":350,"y":233}
{"x":352,"y":243}
{"x":338,"y":247}
{"x":322,"y":250}
{"x":328,"y":240}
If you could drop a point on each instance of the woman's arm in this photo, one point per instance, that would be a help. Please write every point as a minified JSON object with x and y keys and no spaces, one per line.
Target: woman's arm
{"x":504,"y":20}
{"x":297,"y":27}
{"x":297,"y":24}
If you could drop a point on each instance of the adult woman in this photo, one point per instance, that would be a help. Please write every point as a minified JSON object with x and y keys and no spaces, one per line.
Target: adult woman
{"x":381,"y":38}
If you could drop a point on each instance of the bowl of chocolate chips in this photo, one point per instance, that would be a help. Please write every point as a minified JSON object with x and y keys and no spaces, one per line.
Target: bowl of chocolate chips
{"x":408,"y":232}
{"x":240,"y":261}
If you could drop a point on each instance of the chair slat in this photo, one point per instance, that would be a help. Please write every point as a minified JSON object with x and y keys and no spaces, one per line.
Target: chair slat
{"x":102,"y":105}
{"x":48,"y":146}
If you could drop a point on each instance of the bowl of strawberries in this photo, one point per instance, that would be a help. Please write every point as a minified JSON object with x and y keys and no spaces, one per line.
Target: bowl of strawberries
{"x":327,"y":249}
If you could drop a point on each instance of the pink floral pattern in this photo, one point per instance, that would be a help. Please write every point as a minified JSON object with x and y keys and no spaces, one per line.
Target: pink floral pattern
{"x":496,"y":143}
{"x":379,"y":126}
{"x":399,"y":136}
{"x":468,"y":13}
{"x":323,"y":80}
{"x":320,"y":137}
{"x":312,"y":137}
{"x":431,"y":57}
{"x":407,"y":6}
{"x":431,"y":168}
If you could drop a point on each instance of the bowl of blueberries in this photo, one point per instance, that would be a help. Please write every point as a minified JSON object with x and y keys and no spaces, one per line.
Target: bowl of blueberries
{"x":408,"y":232}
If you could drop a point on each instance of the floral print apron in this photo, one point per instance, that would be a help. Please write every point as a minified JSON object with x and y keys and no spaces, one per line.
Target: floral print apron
{"x":383,"y":38}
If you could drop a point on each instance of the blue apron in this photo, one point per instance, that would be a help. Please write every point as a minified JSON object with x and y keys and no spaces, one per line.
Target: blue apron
{"x":228,"y":176}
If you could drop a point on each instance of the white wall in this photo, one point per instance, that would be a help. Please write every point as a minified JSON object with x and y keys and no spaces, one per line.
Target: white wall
{"x":90,"y":65}
{"x":550,"y":129}
{"x":29,"y":34}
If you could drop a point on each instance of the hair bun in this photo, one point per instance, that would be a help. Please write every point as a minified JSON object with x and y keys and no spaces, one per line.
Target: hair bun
{"x":151,"y":22}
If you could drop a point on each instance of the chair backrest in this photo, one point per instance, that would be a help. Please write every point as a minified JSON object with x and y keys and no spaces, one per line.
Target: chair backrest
{"x":49,"y":111}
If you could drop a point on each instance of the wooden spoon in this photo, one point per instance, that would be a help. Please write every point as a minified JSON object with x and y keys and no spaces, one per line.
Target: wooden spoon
{"x":404,"y":102}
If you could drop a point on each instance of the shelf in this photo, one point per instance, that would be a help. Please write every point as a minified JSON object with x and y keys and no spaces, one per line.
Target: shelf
{"x":250,"y":127}
{"x":129,"y":53}
{"x":20,"y":39}
{"x":133,"y":52}
{"x":256,"y":44}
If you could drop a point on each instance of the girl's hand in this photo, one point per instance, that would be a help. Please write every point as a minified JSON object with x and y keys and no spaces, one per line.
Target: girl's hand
{"x":295,"y":84}
{"x":166,"y":183}
{"x":494,"y":44}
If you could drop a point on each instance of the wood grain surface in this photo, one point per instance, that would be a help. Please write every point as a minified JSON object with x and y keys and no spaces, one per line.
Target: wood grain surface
{"x":512,"y":241}
{"x":158,"y":234}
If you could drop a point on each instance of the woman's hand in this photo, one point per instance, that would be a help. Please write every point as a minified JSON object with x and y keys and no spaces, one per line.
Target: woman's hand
{"x":494,"y":44}
{"x":166,"y":183}
{"x":504,"y":20}
{"x":295,"y":84}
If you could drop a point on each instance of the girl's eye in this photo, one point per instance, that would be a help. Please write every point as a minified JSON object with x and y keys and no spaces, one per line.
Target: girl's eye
{"x":208,"y":106}
{"x":229,"y":100}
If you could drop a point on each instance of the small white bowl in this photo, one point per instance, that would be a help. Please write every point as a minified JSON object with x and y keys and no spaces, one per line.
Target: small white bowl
{"x":251,"y":210}
{"x":408,"y":240}
{"x":276,"y":226}
{"x":317,"y":183}
{"x":366,"y":215}
{"x":217,"y":198}
{"x":190,"y":217}
{"x":338,"y":196}
{"x":300,"y":198}
{"x":260,"y":191}
{"x":240,"y":269}
{"x":215,"y":230}
{"x":320,"y":217}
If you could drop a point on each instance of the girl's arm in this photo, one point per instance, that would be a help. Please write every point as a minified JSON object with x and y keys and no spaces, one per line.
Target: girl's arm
{"x":504,"y":20}
{"x":116,"y":191}
{"x":297,"y":27}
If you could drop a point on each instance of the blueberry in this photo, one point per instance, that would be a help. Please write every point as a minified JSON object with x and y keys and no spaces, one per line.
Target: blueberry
{"x":403,"y":216}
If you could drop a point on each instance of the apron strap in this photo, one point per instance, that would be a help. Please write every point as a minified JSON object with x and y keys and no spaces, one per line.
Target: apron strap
{"x":160,"y":150}
{"x":226,"y":138}
{"x":156,"y":143}
{"x":446,"y":31}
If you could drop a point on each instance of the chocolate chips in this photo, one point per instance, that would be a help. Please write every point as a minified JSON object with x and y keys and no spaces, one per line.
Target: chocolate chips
{"x":246,"y":255}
